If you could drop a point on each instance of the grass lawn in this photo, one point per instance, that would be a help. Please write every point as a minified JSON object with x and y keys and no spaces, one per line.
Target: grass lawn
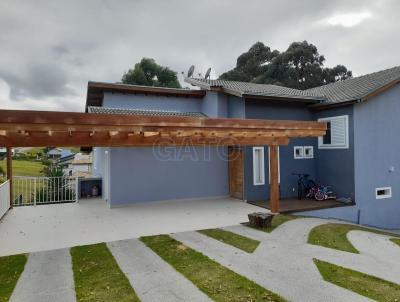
{"x":276,"y":221}
{"x":363,"y":284}
{"x":11,"y":267}
{"x":24,"y":167}
{"x":334,"y":235}
{"x":215,"y":280}
{"x":241,"y":242}
{"x":98,"y":277}
{"x":397,"y":241}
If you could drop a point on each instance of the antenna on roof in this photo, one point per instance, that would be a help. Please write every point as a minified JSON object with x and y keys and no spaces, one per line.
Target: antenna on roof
{"x":190,"y":71}
{"x":207,"y":75}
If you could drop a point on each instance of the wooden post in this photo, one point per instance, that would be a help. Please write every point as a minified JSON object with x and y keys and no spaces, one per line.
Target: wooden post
{"x":9,"y":173}
{"x":274,"y":181}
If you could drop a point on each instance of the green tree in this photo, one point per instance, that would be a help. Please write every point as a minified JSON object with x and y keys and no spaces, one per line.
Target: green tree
{"x":300,"y":66}
{"x":148,"y":73}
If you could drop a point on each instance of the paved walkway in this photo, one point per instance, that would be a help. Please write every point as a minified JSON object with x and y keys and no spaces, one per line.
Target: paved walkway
{"x":151,"y":277}
{"x":283,"y":262}
{"x":47,"y":277}
{"x":47,"y":227}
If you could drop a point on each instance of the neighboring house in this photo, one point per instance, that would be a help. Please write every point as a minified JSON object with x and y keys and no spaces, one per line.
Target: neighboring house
{"x":76,"y":165}
{"x":3,"y":152}
{"x":58,"y":153}
{"x":359,"y":156}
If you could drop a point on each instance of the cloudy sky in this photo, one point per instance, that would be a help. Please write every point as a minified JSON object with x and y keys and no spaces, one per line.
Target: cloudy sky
{"x":49,"y":50}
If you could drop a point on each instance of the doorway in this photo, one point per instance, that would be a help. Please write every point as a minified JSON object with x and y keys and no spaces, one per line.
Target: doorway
{"x":235,"y":157}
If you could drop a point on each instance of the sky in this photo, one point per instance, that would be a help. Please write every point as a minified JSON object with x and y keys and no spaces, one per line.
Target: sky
{"x":50,"y":49}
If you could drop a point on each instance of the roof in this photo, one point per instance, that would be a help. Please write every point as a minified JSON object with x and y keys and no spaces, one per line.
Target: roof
{"x":245,"y":89}
{"x":95,"y":91}
{"x":354,"y":89}
{"x":125,"y":111}
{"x":59,"y":151}
{"x":357,"y":88}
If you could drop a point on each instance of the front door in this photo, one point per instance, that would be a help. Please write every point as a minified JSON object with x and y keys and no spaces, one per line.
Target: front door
{"x":235,"y":172}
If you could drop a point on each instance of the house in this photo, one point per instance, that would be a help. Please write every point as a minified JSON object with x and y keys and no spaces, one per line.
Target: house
{"x":358,"y":156}
{"x":76,"y":165}
{"x":3,"y":152}
{"x":58,"y":153}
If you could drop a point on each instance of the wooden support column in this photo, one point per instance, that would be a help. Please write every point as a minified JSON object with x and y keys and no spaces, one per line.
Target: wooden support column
{"x":9,"y":173}
{"x":274,"y":182}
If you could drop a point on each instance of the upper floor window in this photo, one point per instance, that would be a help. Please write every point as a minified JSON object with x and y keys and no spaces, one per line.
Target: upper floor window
{"x":337,"y":133}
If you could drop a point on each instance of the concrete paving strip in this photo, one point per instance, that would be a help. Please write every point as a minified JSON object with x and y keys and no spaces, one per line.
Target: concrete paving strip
{"x":152,"y":278}
{"x":47,"y":277}
{"x":280,"y":269}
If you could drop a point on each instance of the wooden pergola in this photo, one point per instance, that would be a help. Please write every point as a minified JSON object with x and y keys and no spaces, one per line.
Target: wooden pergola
{"x":48,"y":128}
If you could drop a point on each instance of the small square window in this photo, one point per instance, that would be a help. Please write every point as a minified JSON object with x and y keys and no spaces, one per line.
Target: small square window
{"x":381,"y":193}
{"x":298,"y":152}
{"x":308,"y":152}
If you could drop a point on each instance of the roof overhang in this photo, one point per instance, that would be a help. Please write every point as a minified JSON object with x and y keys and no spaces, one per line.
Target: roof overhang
{"x":96,"y":90}
{"x":258,"y":96}
{"x":20,"y":128}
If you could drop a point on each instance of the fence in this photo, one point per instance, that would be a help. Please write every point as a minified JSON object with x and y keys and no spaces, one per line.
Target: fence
{"x":4,"y":197}
{"x":44,"y":190}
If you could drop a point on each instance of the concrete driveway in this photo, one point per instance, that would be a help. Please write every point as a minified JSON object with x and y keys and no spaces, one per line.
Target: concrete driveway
{"x":47,"y":227}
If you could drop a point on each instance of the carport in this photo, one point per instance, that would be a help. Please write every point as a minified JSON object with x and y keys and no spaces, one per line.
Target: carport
{"x":22,"y":128}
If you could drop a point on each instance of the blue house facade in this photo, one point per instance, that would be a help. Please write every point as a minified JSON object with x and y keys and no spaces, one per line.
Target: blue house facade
{"x":359,"y":156}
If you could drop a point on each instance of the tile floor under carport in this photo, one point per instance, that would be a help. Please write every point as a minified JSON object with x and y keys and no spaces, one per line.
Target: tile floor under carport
{"x":46,"y":227}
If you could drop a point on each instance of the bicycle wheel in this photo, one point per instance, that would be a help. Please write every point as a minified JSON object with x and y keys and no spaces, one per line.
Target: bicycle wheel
{"x":319,"y":195}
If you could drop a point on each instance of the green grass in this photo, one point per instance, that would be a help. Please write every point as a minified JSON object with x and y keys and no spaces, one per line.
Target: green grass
{"x":98,"y":277}
{"x":24,"y":167}
{"x":276,"y":221}
{"x":363,"y":284}
{"x":334,"y":235}
{"x":11,"y":268}
{"x":397,"y":241}
{"x":241,"y":242}
{"x":215,"y":280}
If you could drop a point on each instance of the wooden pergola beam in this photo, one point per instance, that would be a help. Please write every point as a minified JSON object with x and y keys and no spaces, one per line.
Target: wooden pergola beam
{"x":120,"y":139}
{"x":77,"y":121}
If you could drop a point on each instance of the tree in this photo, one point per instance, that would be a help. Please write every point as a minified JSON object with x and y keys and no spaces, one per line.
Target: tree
{"x":148,"y":73}
{"x":300,"y":67}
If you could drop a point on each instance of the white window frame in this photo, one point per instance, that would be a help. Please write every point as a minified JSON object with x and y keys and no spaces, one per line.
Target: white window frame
{"x":269,"y":166}
{"x":311,"y":153}
{"x":260,"y":165}
{"x":387,"y":195}
{"x":321,"y":144}
{"x":301,"y":148}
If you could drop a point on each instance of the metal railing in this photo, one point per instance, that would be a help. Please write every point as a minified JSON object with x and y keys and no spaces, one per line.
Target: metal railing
{"x":44,"y":190}
{"x":4,"y":197}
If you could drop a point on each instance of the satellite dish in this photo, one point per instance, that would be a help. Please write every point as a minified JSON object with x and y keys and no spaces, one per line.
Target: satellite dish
{"x":207,"y":76}
{"x":190,"y":71}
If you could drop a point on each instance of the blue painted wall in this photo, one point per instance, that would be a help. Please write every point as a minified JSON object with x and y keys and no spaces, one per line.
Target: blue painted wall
{"x":377,"y":148}
{"x":335,"y":167}
{"x":141,"y":174}
{"x":152,"y":102}
{"x":137,"y":174}
{"x":278,"y":111}
{"x":215,"y":104}
{"x":236,"y":107}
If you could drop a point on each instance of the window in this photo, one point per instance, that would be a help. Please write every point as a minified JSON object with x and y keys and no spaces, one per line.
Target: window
{"x":308,"y":152}
{"x":298,"y":152}
{"x":337,"y":133}
{"x":258,"y":166}
{"x":381,"y":193}
{"x":301,"y":152}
